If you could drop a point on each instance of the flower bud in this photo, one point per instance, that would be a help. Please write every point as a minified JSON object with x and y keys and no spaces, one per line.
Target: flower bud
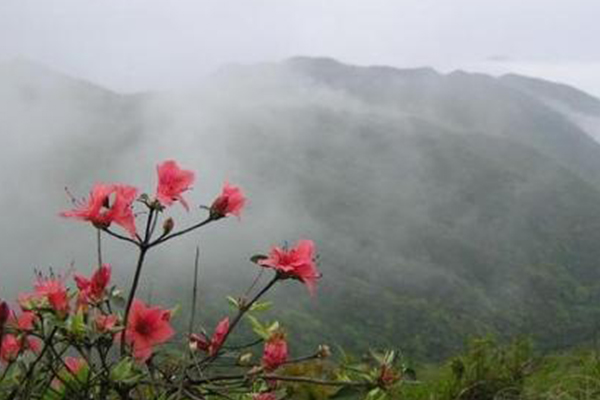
{"x":4,"y":314}
{"x":245,"y":359}
{"x":106,"y":323}
{"x":275,"y":352}
{"x":387,"y":377}
{"x":168,"y":226}
{"x":231,"y":201}
{"x":198,"y":342}
{"x":323,"y":351}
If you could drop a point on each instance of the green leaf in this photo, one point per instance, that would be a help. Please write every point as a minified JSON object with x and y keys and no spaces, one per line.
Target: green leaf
{"x":257,"y":257}
{"x":76,"y":324}
{"x":347,"y":392}
{"x":261,"y":306}
{"x":389,"y":357}
{"x":123,"y":371}
{"x":376,"y":394}
{"x":54,"y":394}
{"x":258,"y":328}
{"x":274,"y":327}
{"x":233,"y":302}
{"x":175,"y":310}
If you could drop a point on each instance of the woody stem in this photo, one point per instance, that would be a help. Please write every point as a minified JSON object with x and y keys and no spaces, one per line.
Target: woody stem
{"x":138,"y":272}
{"x":243,"y":309}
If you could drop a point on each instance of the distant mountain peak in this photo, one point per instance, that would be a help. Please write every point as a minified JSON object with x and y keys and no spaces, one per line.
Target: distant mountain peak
{"x":323,"y":64}
{"x":25,"y":71}
{"x":574,"y":98}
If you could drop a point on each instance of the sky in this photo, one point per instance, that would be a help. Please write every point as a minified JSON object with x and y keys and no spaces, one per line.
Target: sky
{"x":138,"y":45}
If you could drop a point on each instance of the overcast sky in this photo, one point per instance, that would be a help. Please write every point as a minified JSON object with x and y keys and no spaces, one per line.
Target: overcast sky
{"x":131,"y":45}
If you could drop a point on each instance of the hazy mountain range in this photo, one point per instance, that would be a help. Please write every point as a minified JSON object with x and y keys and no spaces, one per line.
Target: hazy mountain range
{"x":443,"y":205}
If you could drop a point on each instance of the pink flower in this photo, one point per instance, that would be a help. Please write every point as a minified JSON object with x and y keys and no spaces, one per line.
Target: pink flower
{"x":213,"y":345}
{"x":172,"y":182}
{"x":275,"y":352}
{"x":28,"y":301}
{"x":264,"y":396}
{"x":231,"y":201}
{"x":96,"y":210}
{"x":297,"y":263}
{"x":33,"y":344}
{"x":122,"y":209}
{"x":387,"y":376}
{"x":219,"y":336}
{"x":101,"y":213}
{"x":146,"y":328}
{"x":106,"y":323}
{"x":23,"y":322}
{"x":10,"y":348}
{"x":199,"y":342}
{"x":75,"y":364}
{"x":55,"y":292}
{"x":93,"y":289}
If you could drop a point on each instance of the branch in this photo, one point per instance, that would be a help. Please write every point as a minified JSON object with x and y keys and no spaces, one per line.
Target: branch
{"x":195,"y":292}
{"x":121,"y":237}
{"x":242,"y":310}
{"x":27,"y":377}
{"x":314,"y":381}
{"x":163,"y":239}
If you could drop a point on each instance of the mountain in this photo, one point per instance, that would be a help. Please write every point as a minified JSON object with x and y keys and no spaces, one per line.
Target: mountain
{"x":443,"y":205}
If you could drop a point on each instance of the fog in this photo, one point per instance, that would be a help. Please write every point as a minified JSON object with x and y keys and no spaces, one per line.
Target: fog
{"x":416,"y":183}
{"x":149,"y":44}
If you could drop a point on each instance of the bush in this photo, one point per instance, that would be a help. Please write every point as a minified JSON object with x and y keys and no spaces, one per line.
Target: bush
{"x":92,"y":341}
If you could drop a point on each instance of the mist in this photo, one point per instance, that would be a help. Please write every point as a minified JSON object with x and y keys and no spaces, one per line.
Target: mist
{"x":447,"y":167}
{"x":417,"y":193}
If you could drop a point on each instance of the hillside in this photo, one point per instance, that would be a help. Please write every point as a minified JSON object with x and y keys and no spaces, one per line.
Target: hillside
{"x":443,"y":205}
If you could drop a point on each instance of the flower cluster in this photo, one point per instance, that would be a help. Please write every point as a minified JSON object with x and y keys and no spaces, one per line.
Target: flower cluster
{"x":77,"y":335}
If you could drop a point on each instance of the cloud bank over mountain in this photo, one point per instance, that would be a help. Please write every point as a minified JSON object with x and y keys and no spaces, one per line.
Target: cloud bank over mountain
{"x":442,"y":204}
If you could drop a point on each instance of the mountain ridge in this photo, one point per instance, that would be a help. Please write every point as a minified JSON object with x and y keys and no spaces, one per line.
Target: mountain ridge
{"x":443,"y":205}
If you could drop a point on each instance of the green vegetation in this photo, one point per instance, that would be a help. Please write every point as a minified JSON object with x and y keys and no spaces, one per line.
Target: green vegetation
{"x":487,"y":370}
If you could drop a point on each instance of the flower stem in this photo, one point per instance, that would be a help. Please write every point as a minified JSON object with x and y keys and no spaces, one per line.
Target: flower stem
{"x":138,"y":272}
{"x":134,"y":286}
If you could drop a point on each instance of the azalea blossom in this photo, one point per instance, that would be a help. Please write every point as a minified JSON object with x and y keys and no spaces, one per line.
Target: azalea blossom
{"x":75,"y":364}
{"x":12,"y":346}
{"x":23,"y":322}
{"x":387,"y":376}
{"x":54,"y":291}
{"x":275,"y":352}
{"x":146,"y":328}
{"x":34,"y":344}
{"x":96,"y":209}
{"x":297,"y":263}
{"x":122,"y":209}
{"x":199,"y":342}
{"x":219,"y":336}
{"x":213,"y":345}
{"x":172,"y":182}
{"x":93,"y":289}
{"x":102,"y":213}
{"x":231,"y":201}
{"x":106,"y":323}
{"x":264,"y":396}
